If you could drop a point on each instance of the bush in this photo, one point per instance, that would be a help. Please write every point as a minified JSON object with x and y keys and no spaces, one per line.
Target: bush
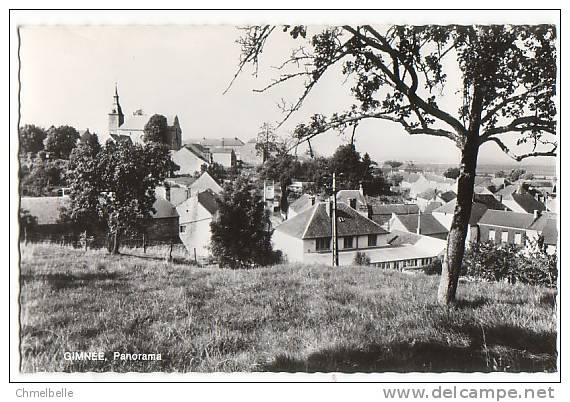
{"x":434,"y":267}
{"x":530,"y":265}
{"x":361,"y":258}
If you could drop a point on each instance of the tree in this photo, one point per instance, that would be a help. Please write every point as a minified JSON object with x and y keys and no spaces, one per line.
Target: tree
{"x":156,"y":129}
{"x":516,"y":174}
{"x":31,"y":139}
{"x":27,"y":223}
{"x":346,"y":162}
{"x":452,"y":173}
{"x":115,"y":185}
{"x":40,"y":179}
{"x":393,"y":164}
{"x":400,"y":74}
{"x":240,"y":231}
{"x":266,"y":143}
{"x":281,"y":168}
{"x":61,"y":141}
{"x":501,"y":174}
{"x":527,"y":176}
{"x":217,"y":171}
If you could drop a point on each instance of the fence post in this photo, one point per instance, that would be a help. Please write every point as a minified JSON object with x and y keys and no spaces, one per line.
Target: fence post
{"x":144,"y":243}
{"x":195,"y":258}
{"x":170,"y":253}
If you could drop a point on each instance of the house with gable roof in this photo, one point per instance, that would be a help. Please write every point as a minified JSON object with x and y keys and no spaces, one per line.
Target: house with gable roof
{"x":196,"y":213}
{"x":309,"y":233}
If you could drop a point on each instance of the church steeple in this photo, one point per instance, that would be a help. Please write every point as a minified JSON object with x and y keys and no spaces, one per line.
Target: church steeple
{"x":116,"y":117}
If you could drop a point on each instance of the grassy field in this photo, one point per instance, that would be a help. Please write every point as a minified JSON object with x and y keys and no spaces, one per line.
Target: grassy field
{"x":284,"y":318}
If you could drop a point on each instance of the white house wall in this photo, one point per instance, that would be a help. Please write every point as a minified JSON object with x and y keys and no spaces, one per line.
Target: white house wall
{"x":197,"y":234}
{"x":188,"y":162}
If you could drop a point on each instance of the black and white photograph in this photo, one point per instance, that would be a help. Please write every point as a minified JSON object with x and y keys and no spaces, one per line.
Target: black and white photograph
{"x":288,"y":196}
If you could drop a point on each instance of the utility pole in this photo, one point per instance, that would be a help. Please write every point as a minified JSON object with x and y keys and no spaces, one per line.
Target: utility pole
{"x":334,"y":226}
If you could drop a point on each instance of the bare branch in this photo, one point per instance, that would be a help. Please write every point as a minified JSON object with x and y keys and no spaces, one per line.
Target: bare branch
{"x":518,"y":158}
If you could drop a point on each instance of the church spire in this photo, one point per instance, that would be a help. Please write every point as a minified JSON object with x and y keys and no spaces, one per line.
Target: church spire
{"x":116,"y":117}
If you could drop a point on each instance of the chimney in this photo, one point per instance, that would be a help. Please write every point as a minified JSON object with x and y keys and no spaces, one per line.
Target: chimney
{"x":312,"y":197}
{"x":536,"y":214}
{"x":419,"y":222}
{"x":167,"y":190}
{"x":361,"y":190}
{"x":501,"y":198}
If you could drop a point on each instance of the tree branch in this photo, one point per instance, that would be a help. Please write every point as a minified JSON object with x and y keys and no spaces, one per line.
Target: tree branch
{"x":530,"y":123}
{"x":519,"y":158}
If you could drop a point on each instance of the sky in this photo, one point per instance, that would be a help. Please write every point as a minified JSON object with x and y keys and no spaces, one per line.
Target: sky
{"x":68,"y":75}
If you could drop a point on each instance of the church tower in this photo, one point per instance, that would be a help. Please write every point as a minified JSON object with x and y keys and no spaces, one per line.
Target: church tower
{"x":116,"y":117}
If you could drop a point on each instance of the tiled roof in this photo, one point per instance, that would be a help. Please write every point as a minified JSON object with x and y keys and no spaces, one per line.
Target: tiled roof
{"x":205,"y":182}
{"x":432,"y":206}
{"x":428,"y":224}
{"x":315,"y":222}
{"x":507,"y":219}
{"x":528,"y":203}
{"x":448,"y":196}
{"x":217,"y":142}
{"x":120,"y":137}
{"x":164,"y":209}
{"x":220,"y":150}
{"x":489,"y":200}
{"x":45,"y":209}
{"x":550,"y":232}
{"x":477,"y":211}
{"x":301,"y":203}
{"x":438,"y":178}
{"x":346,"y":195}
{"x":398,"y":209}
{"x":208,"y":199}
{"x":428,"y":194}
{"x":197,"y":150}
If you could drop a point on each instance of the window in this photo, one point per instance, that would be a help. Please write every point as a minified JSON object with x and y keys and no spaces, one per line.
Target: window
{"x":492,"y":235}
{"x":372,"y":240}
{"x":323,"y":243}
{"x":182,"y":228}
{"x":504,"y":237}
{"x":518,"y":238}
{"x":348,"y":242}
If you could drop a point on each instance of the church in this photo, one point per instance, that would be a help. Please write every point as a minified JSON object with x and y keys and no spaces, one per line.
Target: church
{"x":133,"y":126}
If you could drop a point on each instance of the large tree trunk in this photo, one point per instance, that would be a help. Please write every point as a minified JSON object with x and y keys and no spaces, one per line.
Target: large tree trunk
{"x":116,"y":242}
{"x":456,"y":238}
{"x":453,"y":257}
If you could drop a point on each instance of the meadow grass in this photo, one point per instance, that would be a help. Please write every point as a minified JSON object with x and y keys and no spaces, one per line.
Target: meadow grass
{"x":283,"y":318}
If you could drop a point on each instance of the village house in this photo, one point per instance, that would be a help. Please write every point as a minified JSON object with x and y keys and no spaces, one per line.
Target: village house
{"x":162,"y":226}
{"x":196,"y":213}
{"x":301,"y":204}
{"x":420,"y":223}
{"x":506,"y":227}
{"x":223,"y":156}
{"x":419,"y":183}
{"x":546,"y":227}
{"x":190,"y":160}
{"x":444,"y":215}
{"x":178,"y":189}
{"x":223,"y":143}
{"x":309,"y":233}
{"x":355,"y":199}
{"x":520,"y":200}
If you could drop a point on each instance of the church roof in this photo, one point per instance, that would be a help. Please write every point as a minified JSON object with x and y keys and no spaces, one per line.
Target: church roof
{"x":217,"y":142}
{"x":138,"y":121}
